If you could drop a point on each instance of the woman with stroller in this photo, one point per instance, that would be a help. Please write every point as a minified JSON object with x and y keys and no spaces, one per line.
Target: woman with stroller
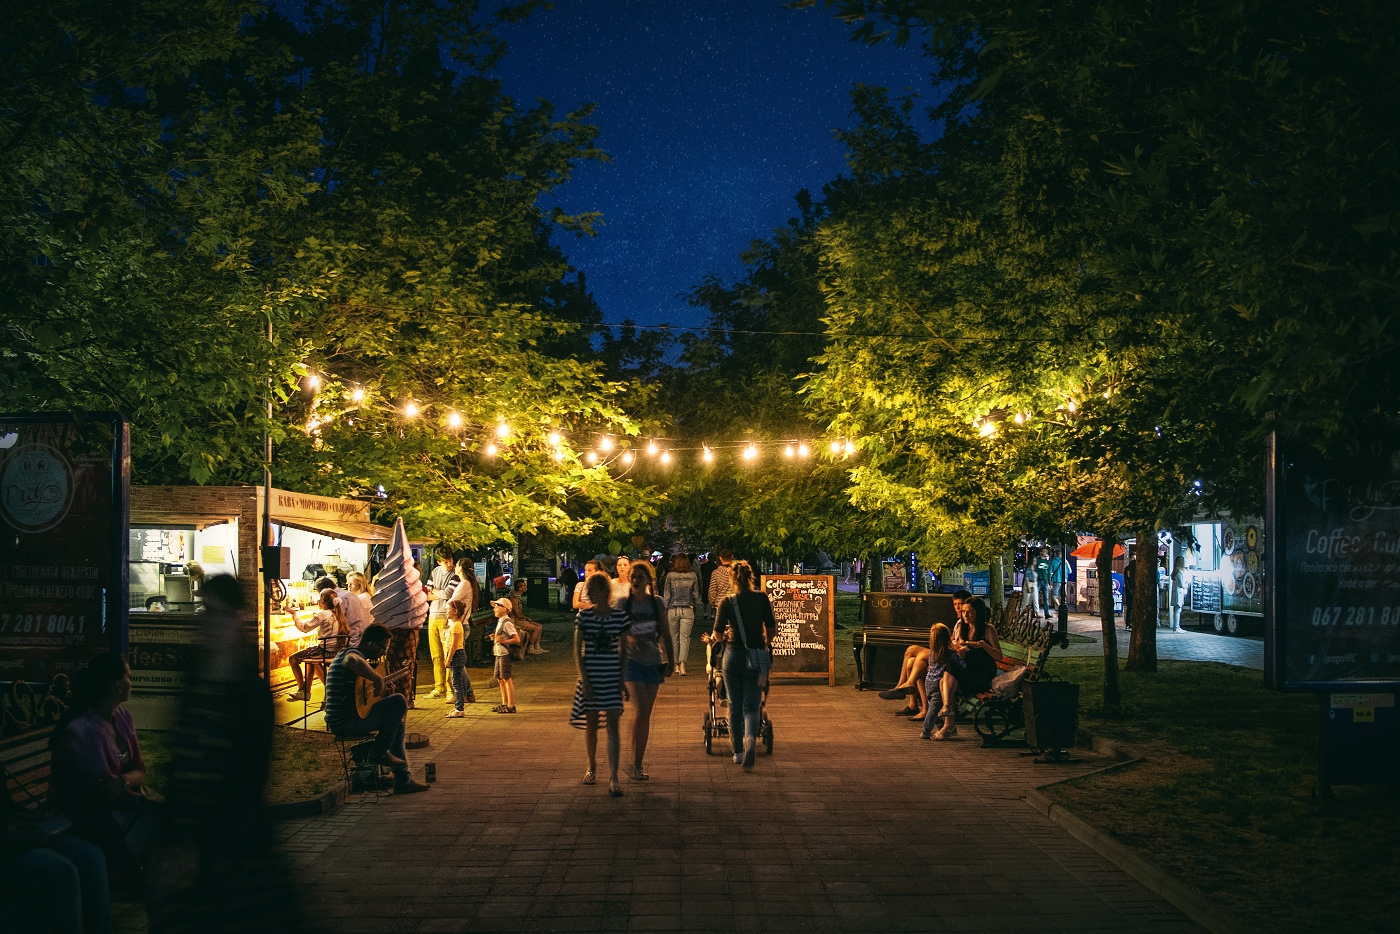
{"x":745,"y":620}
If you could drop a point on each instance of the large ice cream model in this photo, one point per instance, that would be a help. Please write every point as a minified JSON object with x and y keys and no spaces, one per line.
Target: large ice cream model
{"x":400,"y":600}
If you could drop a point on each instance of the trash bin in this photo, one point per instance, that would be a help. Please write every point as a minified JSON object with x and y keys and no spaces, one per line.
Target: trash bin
{"x":1052,"y":714}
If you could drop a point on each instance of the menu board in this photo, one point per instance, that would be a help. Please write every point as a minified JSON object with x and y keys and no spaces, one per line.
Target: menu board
{"x":63,"y":498}
{"x":1205,"y":594}
{"x":1332,"y":608}
{"x":804,"y":608}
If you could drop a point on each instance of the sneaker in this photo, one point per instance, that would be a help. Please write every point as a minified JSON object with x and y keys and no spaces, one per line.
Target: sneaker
{"x":453,"y":714}
{"x":738,"y":758}
{"x":408,"y":786}
{"x":298,"y":696}
{"x":436,"y":693}
{"x":537,"y":650}
{"x":750,"y":749}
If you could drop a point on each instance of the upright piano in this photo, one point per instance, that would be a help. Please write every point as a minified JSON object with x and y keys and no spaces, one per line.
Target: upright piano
{"x":891,"y":622}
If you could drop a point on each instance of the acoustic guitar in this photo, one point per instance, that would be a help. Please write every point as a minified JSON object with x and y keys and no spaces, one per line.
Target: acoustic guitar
{"x":365,"y":694}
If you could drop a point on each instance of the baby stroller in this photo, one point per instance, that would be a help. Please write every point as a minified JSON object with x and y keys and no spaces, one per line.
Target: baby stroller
{"x":716,"y":723}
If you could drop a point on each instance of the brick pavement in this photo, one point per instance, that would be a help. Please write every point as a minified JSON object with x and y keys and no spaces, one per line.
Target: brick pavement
{"x":854,"y":824}
{"x":1185,"y":645}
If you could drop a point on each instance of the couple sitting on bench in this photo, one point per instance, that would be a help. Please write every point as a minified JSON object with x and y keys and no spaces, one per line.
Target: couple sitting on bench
{"x":963,"y":659}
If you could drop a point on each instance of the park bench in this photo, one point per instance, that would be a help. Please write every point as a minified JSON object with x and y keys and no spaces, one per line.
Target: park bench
{"x":1025,"y":640}
{"x":27,"y":720}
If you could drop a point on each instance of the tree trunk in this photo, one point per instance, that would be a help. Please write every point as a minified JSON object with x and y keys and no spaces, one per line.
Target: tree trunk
{"x":1142,"y":648}
{"x":1112,"y":696}
{"x":996,"y":591}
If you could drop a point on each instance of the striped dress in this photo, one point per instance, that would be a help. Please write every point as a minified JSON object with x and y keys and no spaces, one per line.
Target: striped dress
{"x":601,"y":661}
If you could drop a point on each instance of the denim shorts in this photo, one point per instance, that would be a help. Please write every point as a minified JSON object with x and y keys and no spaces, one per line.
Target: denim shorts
{"x":643,"y":674}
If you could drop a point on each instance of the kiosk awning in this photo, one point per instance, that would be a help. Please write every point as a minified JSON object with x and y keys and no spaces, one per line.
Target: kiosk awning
{"x":364,"y":533}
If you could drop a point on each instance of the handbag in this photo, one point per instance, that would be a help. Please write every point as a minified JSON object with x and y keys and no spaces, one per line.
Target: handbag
{"x":758,"y":659}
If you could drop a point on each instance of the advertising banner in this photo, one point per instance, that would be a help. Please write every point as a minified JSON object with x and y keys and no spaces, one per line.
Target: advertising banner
{"x":63,"y":542}
{"x":1332,"y":589}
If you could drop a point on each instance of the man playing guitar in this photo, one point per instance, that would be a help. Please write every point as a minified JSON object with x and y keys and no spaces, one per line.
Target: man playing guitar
{"x":385,"y":719}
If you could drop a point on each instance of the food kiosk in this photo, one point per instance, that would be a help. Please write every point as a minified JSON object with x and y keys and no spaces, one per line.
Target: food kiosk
{"x":180,"y":536}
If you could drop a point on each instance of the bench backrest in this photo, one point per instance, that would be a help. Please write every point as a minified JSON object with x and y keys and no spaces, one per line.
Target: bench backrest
{"x":26,"y":761}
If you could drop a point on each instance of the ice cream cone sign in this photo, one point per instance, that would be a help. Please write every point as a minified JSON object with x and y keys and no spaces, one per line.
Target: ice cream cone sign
{"x":400,"y":601}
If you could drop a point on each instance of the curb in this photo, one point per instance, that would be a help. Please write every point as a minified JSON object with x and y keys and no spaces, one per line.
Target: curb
{"x":311,"y":807}
{"x":1187,"y":900}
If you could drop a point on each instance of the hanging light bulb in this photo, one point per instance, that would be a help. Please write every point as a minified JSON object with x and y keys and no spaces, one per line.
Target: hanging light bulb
{"x":358,"y":395}
{"x":750,"y":452}
{"x":1071,"y":405}
{"x":651,"y":448}
{"x":987,"y":429}
{"x":593,"y":457}
{"x":411,"y":410}
{"x":558,"y":454}
{"x":313,"y":380}
{"x":802,"y":450}
{"x":787,"y":451}
{"x":554,"y":438}
{"x":850,"y":448}
{"x":1020,"y":419}
{"x":708,"y":455}
{"x":454,"y":420}
{"x":491,"y":450}
{"x":606,"y":443}
{"x":665,"y":457}
{"x":835,"y":447}
{"x":627,"y":457}
{"x":502,"y":430}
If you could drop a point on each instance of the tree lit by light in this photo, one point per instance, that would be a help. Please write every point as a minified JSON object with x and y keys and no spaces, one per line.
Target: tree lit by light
{"x":454,"y":420}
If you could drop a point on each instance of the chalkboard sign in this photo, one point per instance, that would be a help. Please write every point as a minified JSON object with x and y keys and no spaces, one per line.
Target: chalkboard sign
{"x":910,"y":610}
{"x":1205,"y":595}
{"x":1332,"y":589}
{"x":804,"y":607}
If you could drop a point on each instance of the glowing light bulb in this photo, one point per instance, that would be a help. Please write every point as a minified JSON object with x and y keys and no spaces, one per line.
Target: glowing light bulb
{"x":411,"y":410}
{"x":313,"y":380}
{"x":787,"y":451}
{"x":708,"y":455}
{"x":665,"y":457}
{"x":835,"y":447}
{"x":1020,"y":419}
{"x":1071,"y":405}
{"x":987,"y":429}
{"x":750,"y":452}
{"x":558,"y":454}
{"x":627,"y":457}
{"x":802,"y":450}
{"x":454,"y":420}
{"x":554,"y":438}
{"x":491,"y":450}
{"x":502,"y":430}
{"x":651,"y":448}
{"x":605,"y":444}
{"x":850,"y":448}
{"x":593,"y":457}
{"x":358,"y":395}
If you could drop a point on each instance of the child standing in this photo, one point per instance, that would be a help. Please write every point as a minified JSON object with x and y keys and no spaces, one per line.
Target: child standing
{"x":942,"y":661}
{"x":328,"y":623}
{"x":454,"y":649}
{"x":504,"y":637}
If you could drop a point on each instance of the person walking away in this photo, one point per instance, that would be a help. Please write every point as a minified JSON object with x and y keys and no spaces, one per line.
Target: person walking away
{"x":441,"y":583}
{"x":941,"y":660}
{"x":721,"y":579}
{"x":504,"y":637}
{"x":747,"y":617}
{"x":454,"y":648}
{"x":681,"y":593}
{"x":600,"y":653}
{"x":568,"y":580}
{"x":1043,"y":574}
{"x":644,"y":672}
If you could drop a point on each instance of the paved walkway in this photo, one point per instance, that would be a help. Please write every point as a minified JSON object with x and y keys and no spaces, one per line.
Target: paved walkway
{"x":853,"y":824}
{"x":1185,"y":645}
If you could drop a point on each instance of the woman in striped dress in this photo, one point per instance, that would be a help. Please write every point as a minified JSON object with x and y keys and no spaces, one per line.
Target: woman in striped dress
{"x":600,"y":655}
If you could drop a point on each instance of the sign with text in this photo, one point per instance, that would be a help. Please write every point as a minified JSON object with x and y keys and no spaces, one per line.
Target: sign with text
{"x":1332,"y":607}
{"x":804,"y":608}
{"x":63,"y":498}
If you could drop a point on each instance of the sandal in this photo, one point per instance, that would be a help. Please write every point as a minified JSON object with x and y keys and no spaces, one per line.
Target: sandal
{"x":907,"y":712}
{"x":638,"y":775}
{"x":590,"y":777}
{"x":614,"y":790}
{"x":894,"y":693}
{"x":948,"y":732}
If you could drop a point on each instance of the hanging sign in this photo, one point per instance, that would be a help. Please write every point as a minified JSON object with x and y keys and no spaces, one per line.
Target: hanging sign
{"x":1332,"y":584}
{"x":63,"y":544}
{"x":804,"y":608}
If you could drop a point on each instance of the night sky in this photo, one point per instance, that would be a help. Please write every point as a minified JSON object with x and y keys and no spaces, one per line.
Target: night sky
{"x":715,"y":113}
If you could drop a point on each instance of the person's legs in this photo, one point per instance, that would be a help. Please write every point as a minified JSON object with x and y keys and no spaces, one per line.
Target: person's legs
{"x":735,"y":669}
{"x":461,"y":683}
{"x":590,"y":739}
{"x":436,"y":624}
{"x":918,"y":670}
{"x":753,"y":699}
{"x":950,"y":688}
{"x":508,"y":693}
{"x":386,"y":720}
{"x":614,"y":745}
{"x":92,"y":877}
{"x":644,"y":697}
{"x":42,"y":890}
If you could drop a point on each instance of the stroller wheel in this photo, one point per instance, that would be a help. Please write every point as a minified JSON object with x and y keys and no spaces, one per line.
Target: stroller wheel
{"x":767,"y":732}
{"x":708,"y":734}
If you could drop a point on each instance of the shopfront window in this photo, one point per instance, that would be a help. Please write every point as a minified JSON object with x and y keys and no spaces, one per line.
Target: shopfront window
{"x":169,"y":564}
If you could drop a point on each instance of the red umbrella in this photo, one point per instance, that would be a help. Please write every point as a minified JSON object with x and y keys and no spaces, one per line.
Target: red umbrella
{"x":1092,"y":550}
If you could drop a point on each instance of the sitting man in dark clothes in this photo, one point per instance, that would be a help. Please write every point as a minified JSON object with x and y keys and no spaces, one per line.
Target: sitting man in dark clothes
{"x":386,"y":717}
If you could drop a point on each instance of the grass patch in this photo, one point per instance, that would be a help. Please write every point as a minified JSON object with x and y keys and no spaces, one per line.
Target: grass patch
{"x":305,"y":763}
{"x":1227,"y":800}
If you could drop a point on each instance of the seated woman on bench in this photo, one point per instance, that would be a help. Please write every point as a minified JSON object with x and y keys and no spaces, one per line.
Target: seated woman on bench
{"x":975,"y":639}
{"x":914,"y":670}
